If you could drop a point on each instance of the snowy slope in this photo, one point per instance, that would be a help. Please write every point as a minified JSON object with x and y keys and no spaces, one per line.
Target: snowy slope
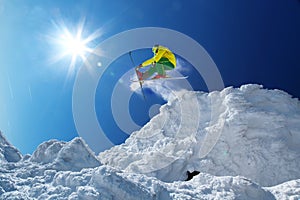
{"x":258,"y":146}
{"x":73,"y":156}
{"x":107,"y":183}
{"x":31,"y":180}
{"x":8,"y":153}
{"x":286,"y":191}
{"x":259,"y":137}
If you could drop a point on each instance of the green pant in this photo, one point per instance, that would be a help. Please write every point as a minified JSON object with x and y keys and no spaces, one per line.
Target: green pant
{"x":160,"y":68}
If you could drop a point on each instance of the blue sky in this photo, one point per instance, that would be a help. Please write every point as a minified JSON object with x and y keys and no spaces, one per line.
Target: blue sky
{"x":250,"y":41}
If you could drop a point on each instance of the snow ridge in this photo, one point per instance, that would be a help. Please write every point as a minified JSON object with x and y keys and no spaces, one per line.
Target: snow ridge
{"x":8,"y":153}
{"x":259,"y":139}
{"x":258,"y":146}
{"x":72,"y":156}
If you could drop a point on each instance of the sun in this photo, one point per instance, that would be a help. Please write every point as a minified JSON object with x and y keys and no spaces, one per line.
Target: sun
{"x":72,"y":44}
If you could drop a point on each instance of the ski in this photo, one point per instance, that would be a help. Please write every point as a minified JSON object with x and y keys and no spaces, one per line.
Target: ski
{"x":167,"y":78}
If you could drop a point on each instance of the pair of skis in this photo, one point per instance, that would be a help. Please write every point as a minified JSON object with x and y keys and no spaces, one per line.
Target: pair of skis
{"x":157,"y":79}
{"x":141,"y":81}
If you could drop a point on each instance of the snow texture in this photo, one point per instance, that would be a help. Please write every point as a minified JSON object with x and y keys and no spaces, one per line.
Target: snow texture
{"x":8,"y":153}
{"x":256,"y":131}
{"x":73,"y":156}
{"x":256,"y":155}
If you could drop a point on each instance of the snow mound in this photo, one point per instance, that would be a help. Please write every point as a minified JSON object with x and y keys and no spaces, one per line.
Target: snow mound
{"x":230,"y":136}
{"x":47,"y":151}
{"x":8,"y":153}
{"x":74,"y":155}
{"x":247,"y":131}
{"x":286,"y":191}
{"x":106,"y":183}
{"x":206,"y":186}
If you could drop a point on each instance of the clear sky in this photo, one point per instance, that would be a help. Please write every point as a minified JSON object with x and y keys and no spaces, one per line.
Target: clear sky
{"x":250,"y":41}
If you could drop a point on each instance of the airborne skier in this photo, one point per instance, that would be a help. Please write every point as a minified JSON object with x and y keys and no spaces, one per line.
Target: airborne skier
{"x":162,"y":61}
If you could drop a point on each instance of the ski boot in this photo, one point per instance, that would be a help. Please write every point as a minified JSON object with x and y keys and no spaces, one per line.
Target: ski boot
{"x":140,"y":76}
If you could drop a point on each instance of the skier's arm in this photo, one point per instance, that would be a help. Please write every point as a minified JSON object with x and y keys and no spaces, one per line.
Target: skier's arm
{"x":156,"y":58}
{"x":159,"y":54}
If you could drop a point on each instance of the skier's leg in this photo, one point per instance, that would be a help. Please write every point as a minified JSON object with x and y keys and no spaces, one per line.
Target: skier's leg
{"x":149,"y":72}
{"x":164,"y":65}
{"x":161,"y":70}
{"x":161,"y":73}
{"x":167,"y":68}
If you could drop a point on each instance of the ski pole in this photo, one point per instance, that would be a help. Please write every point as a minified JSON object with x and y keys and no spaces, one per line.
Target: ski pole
{"x":141,"y":85}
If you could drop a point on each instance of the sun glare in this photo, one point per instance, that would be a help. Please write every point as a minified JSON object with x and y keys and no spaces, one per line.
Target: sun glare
{"x":72,"y":45}
{"x":75,"y":46}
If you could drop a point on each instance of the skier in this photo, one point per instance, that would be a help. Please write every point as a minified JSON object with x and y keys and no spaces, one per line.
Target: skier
{"x":162,"y":61}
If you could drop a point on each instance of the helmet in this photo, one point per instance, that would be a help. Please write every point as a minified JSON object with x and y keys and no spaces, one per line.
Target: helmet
{"x":155,"y":48}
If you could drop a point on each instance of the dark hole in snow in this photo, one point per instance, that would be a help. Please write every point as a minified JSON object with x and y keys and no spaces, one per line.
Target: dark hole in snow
{"x":191,"y":174}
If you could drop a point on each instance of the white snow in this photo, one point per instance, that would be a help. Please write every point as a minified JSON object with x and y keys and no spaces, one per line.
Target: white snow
{"x":244,"y":141}
{"x":72,"y":156}
{"x":256,"y":131}
{"x":288,"y":190}
{"x":8,"y":153}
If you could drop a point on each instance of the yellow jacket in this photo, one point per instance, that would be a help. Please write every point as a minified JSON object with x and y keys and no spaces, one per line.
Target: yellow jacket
{"x":159,"y":53}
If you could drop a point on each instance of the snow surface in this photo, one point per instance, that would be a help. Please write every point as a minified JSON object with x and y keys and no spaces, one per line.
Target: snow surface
{"x":256,"y":155}
{"x":258,"y":133}
{"x":8,"y":153}
{"x":61,"y":156}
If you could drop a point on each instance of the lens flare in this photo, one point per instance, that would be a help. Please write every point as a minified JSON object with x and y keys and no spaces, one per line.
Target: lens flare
{"x":72,"y":44}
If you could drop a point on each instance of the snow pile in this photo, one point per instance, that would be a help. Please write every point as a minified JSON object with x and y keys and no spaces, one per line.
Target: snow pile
{"x":259,"y":140}
{"x":73,"y":156}
{"x":256,"y":131}
{"x":8,"y":153}
{"x":288,"y":190}
{"x":107,"y":183}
